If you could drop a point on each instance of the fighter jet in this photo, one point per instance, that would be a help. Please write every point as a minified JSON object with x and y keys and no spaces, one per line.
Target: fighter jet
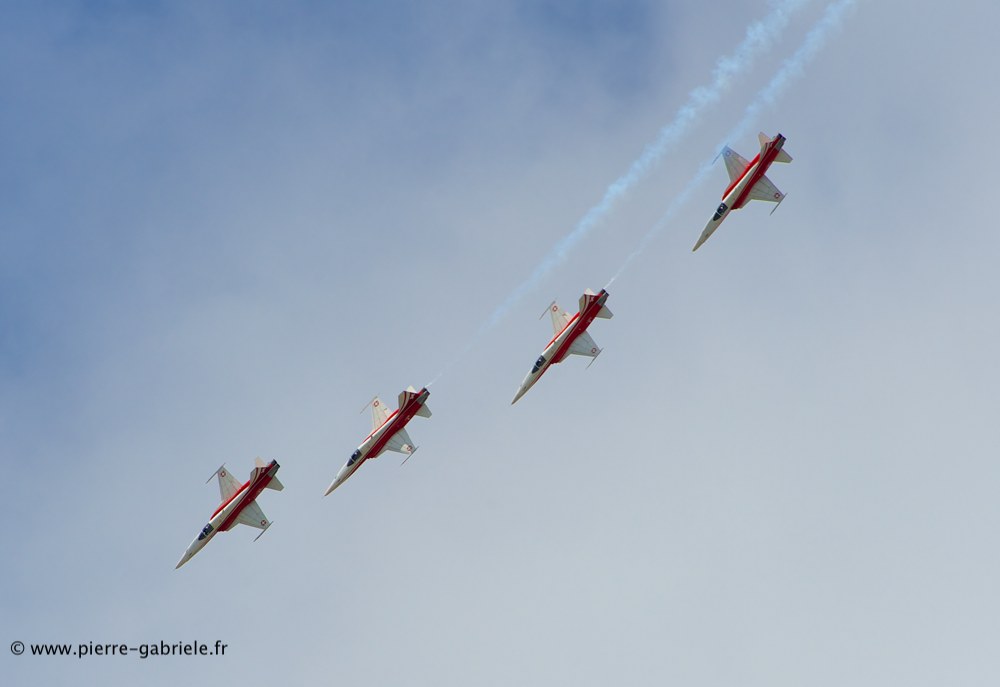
{"x":388,"y":431}
{"x":747,"y":181}
{"x":239,"y":505}
{"x":571,"y":337}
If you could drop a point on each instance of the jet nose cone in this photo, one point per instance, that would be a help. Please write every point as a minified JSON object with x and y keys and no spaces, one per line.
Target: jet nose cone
{"x":335,"y":483}
{"x":526,"y":384}
{"x":184,"y":559}
{"x":519,"y":394}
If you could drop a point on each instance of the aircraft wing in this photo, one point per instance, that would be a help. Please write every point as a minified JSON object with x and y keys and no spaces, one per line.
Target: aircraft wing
{"x":560,"y":318}
{"x":735,"y":163}
{"x":380,"y":413}
{"x":253,"y":516}
{"x":400,"y":442}
{"x":584,"y":345}
{"x":228,"y":485}
{"x":765,"y":190}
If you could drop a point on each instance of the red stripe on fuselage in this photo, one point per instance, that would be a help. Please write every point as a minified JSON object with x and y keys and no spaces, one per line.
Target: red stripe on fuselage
{"x":568,"y":325}
{"x":399,"y":419}
{"x":763,"y":163}
{"x":387,"y":421}
{"x":585,"y":318}
{"x":738,"y":179}
{"x":247,"y":493}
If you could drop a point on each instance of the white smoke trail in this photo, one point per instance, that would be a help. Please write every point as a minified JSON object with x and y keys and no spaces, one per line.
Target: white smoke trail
{"x":759,"y":37}
{"x":726,"y":68}
{"x":790,"y":69}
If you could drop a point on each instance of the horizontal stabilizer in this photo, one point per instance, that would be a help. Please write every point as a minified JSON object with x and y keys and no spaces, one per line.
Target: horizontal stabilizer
{"x":275,"y":484}
{"x":605,"y":313}
{"x":782,"y":156}
{"x":411,"y":394}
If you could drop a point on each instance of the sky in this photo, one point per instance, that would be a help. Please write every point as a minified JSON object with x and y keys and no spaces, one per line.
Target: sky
{"x":225,"y":226}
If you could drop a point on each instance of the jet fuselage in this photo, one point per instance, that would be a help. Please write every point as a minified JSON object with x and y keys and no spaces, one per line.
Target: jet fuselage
{"x":558,"y":347}
{"x":376,"y":442}
{"x":737,"y":194}
{"x":227,"y":513}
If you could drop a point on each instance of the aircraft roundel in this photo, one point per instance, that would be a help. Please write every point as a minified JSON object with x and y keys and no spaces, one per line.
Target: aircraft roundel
{"x":375,"y":404}
{"x":222,"y":473}
{"x":593,"y":350}
{"x":555,"y":307}
{"x":777,"y":195}
{"x":263,"y":522}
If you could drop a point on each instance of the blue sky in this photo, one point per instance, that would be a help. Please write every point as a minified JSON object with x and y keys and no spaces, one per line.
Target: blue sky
{"x":225,"y":227}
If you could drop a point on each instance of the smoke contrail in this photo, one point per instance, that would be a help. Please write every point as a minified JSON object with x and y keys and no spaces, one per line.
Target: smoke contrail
{"x":790,"y":68}
{"x":726,"y":69}
{"x":759,"y":37}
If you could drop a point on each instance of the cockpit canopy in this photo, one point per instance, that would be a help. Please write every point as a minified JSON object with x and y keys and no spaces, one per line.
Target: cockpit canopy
{"x":538,"y":364}
{"x":354,"y":457}
{"x":719,"y":212}
{"x":205,"y":532}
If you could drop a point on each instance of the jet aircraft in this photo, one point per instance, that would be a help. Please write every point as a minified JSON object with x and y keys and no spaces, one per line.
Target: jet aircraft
{"x":239,"y":505}
{"x":748,"y":181}
{"x":571,"y":337}
{"x":388,"y":431}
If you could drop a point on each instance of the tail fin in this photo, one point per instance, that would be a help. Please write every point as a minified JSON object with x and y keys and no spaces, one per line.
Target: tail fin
{"x":782,"y":156}
{"x":274,"y":483}
{"x":409,"y":393}
{"x":587,"y":298}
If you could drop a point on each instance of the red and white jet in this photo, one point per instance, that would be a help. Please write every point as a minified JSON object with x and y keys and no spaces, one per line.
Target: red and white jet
{"x":239,"y":505}
{"x":747,"y":181}
{"x":571,"y":337}
{"x":388,"y":431}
